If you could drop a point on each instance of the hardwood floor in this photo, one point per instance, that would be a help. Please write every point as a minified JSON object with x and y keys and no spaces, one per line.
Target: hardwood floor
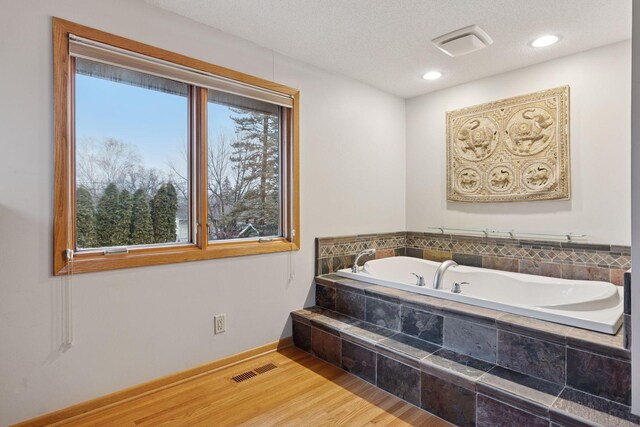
{"x":300,"y":391}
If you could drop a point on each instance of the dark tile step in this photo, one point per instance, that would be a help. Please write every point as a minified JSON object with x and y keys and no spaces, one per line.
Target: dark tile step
{"x":531,"y":394}
{"x":429,"y":358}
{"x":575,"y":408}
{"x":404,"y":365}
{"x":406,"y":349}
{"x":459,"y":369}
{"x":494,"y":413}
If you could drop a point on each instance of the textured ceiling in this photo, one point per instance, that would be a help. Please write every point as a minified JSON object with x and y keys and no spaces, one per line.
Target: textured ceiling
{"x":387,"y":43}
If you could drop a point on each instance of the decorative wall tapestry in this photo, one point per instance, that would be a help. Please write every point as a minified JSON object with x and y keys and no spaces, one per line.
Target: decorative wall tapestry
{"x":515,"y":149}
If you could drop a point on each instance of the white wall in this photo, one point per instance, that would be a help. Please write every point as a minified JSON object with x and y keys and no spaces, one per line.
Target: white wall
{"x":134,"y":325}
{"x":600,"y":145}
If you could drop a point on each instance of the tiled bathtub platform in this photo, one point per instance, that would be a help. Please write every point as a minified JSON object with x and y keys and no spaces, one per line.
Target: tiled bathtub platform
{"x":468,"y":365}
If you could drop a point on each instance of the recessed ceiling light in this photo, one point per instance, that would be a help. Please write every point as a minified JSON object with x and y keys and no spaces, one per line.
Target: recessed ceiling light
{"x":432,"y":75}
{"x":545,"y":41}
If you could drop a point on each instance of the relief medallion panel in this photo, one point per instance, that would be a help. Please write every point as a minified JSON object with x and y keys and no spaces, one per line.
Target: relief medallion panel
{"x":515,"y":149}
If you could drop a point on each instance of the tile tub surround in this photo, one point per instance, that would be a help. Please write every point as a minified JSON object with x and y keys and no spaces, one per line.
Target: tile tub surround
{"x":443,"y":322}
{"x":505,"y":364}
{"x":582,"y":261}
{"x":545,"y":258}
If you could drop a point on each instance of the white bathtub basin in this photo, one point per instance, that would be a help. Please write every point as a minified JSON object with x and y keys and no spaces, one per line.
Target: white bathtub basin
{"x":581,"y":303}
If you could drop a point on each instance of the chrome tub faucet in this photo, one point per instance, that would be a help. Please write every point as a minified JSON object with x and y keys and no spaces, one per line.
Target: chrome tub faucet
{"x":369,"y":252}
{"x":437,"y":279}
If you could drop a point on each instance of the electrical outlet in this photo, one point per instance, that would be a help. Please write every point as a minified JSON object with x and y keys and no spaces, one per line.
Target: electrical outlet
{"x":219,"y":323}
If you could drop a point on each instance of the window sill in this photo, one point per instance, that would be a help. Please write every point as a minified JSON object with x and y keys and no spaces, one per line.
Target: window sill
{"x":91,"y":262}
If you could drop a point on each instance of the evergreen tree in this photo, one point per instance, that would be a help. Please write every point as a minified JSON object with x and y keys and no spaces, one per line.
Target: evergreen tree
{"x":164,"y":208}
{"x":141,"y":232}
{"x":85,"y":219}
{"x":107,"y":219}
{"x":259,"y":143}
{"x":123,"y":230}
{"x":172,"y":212}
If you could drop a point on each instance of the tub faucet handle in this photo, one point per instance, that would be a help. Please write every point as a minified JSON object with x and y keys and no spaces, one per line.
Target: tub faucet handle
{"x":419,"y":279}
{"x":457,"y":287}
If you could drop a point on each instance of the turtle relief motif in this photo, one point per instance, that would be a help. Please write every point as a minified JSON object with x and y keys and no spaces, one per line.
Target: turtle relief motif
{"x":477,"y":139}
{"x":529,"y":131}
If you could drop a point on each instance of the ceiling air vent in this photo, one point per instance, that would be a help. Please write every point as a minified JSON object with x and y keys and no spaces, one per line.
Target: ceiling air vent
{"x":463,"y":41}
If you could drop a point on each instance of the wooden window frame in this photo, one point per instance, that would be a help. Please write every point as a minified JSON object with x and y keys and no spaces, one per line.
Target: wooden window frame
{"x":201,"y":248}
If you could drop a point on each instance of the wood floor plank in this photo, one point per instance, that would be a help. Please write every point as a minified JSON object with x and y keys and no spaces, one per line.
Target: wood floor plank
{"x":301,"y":391}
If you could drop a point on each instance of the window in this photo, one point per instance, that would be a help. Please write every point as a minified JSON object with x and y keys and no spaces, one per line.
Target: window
{"x":162,"y":158}
{"x":131,"y":165}
{"x":244,"y":167}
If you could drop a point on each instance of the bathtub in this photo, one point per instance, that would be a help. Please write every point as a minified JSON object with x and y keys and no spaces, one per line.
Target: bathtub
{"x":584,"y":304}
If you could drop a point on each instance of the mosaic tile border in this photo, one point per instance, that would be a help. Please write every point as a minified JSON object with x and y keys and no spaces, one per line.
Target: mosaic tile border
{"x":597,"y":255}
{"x":350,"y":245}
{"x":583,"y":261}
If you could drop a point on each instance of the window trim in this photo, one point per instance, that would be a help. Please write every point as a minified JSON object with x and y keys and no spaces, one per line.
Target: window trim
{"x":201,"y":248}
